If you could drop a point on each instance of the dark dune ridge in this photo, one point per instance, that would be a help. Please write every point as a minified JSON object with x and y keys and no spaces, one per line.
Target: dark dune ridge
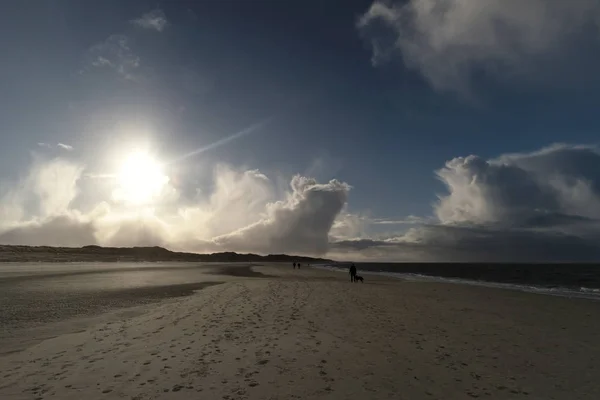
{"x":10,"y":253}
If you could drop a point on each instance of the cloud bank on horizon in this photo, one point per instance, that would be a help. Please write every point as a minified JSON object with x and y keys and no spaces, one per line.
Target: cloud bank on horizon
{"x":242,"y":213}
{"x":450,"y":41}
{"x":540,"y":206}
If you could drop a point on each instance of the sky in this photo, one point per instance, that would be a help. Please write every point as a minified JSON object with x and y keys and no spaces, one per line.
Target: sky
{"x":415,"y":130}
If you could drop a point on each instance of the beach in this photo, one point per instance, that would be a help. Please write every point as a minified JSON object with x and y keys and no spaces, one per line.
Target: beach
{"x":273,"y":332}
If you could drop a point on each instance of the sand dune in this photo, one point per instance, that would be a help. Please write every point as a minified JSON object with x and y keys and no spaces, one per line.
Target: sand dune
{"x":313,"y":335}
{"x":18,"y":253}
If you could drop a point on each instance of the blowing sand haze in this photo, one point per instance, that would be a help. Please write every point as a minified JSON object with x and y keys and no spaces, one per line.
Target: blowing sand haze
{"x":306,"y":334}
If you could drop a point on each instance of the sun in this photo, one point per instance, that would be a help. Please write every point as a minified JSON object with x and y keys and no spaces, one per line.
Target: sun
{"x":140,"y":179}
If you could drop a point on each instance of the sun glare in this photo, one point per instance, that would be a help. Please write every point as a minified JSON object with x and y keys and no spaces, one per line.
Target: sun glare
{"x":140,"y":179}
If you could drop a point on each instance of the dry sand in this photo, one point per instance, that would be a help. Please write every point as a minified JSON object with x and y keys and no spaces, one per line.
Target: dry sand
{"x":308,"y":334}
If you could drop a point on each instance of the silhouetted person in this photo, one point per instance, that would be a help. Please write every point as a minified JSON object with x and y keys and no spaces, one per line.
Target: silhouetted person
{"x":298,"y":265}
{"x":352,"y":273}
{"x":294,"y":265}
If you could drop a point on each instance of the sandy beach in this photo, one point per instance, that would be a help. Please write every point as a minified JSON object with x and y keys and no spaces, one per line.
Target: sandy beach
{"x":277,"y":333}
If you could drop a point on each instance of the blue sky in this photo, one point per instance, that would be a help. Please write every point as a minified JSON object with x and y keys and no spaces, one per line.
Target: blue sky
{"x":378,"y":96}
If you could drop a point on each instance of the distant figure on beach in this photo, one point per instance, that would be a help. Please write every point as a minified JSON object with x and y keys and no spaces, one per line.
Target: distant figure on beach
{"x":298,"y":265}
{"x":352,"y":273}
{"x":294,"y":265}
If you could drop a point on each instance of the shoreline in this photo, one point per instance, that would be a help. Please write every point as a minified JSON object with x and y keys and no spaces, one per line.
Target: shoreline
{"x":308,"y":334}
{"x":588,"y":293}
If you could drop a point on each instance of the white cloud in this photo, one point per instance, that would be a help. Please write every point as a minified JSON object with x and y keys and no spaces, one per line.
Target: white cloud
{"x":100,"y":61}
{"x":541,"y":206}
{"x":448,"y":41}
{"x":298,"y":224}
{"x":241,"y":213}
{"x":55,"y":185}
{"x":61,"y":230}
{"x":155,"y":20}
{"x":118,"y":54}
{"x":238,"y":199}
{"x":560,"y":179}
{"x":58,"y":145}
{"x":47,"y":190}
{"x":115,"y":54}
{"x":11,"y":206}
{"x":65,"y":146}
{"x":348,"y":226}
{"x":409,"y":220}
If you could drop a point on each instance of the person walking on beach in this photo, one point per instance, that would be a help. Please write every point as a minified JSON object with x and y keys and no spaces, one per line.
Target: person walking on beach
{"x":294,"y":265}
{"x":352,"y":273}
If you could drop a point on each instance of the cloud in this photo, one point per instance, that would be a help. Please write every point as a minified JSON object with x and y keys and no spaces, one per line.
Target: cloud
{"x":450,"y":41}
{"x":37,"y":210}
{"x":348,"y":226}
{"x":440,"y":243}
{"x":514,"y":188}
{"x":55,"y":185}
{"x":47,"y":190}
{"x":238,"y":199}
{"x":540,"y":206}
{"x":61,"y":230}
{"x":409,"y":220}
{"x":58,"y":145}
{"x":133,"y":231}
{"x":65,"y":146}
{"x":154,"y":20}
{"x":299,"y":224}
{"x":119,"y":54}
{"x":242,"y":212}
{"x":115,"y":54}
{"x":12,"y":204}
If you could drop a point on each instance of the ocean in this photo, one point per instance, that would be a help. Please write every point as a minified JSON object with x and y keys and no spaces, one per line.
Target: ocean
{"x":568,"y":280}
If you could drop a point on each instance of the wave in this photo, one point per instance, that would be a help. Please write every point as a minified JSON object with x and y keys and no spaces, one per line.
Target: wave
{"x":582,"y":292}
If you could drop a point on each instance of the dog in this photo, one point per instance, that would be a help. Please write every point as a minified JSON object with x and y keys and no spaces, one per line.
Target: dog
{"x":359,"y":278}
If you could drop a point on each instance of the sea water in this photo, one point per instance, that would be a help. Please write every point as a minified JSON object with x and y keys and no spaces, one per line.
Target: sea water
{"x":387,"y":269}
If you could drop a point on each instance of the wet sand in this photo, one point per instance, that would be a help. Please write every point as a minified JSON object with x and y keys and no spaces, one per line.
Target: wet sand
{"x":42,"y":301}
{"x":310,"y":334}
